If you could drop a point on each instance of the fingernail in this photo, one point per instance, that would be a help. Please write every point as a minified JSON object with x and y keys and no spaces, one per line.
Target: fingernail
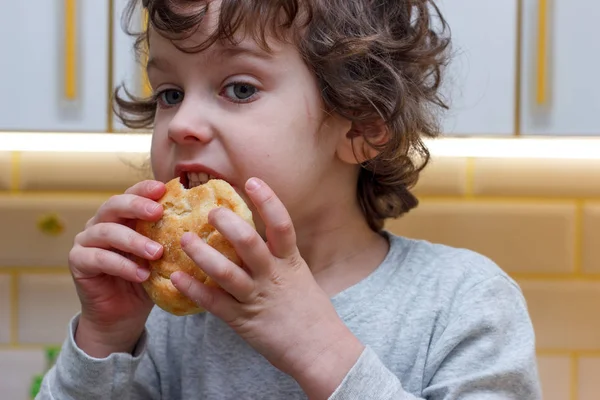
{"x":178,"y":279}
{"x":152,"y":248}
{"x":252,"y":184}
{"x":186,"y":238}
{"x":152,"y":208}
{"x":175,"y":276}
{"x":143,"y":274}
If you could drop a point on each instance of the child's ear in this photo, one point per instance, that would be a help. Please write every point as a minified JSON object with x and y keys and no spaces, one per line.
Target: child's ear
{"x":357,"y":145}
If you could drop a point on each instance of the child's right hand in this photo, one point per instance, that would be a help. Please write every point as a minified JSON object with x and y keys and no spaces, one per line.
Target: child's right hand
{"x":114,"y":305}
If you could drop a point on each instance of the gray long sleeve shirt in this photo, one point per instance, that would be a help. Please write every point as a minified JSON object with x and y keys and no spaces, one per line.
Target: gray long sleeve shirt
{"x":438,"y":323}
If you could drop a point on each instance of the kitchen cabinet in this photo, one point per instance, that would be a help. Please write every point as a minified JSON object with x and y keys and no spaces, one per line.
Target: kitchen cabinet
{"x":560,"y":92}
{"x":62,"y":59}
{"x":127,"y":69}
{"x":480,"y":82}
{"x":53,"y":66}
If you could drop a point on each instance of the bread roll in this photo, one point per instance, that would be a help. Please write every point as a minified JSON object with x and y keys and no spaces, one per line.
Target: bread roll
{"x":186,"y":210}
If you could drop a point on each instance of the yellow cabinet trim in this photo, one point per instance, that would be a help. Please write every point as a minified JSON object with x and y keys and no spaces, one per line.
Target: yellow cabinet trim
{"x":542,"y":52}
{"x":14,"y":308}
{"x":110,"y":65}
{"x":70,"y":49}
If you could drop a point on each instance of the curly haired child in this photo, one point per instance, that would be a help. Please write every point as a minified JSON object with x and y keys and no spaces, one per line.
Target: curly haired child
{"x":315,"y":111}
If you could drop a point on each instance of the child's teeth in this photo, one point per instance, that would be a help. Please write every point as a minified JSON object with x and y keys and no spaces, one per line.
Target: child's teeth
{"x":198,"y":178}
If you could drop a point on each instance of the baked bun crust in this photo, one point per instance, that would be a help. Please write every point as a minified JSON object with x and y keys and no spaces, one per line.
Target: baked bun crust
{"x":186,"y":210}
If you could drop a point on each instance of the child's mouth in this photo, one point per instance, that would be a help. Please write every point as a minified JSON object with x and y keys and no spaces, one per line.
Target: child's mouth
{"x":190,"y":180}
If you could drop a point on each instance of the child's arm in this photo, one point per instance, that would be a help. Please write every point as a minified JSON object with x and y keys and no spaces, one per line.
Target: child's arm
{"x":119,"y":376}
{"x":277,"y":307}
{"x":108,"y":263}
{"x":487,"y":352}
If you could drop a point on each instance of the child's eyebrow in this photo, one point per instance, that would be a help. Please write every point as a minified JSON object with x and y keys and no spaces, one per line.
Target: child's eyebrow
{"x":164,"y":65}
{"x":241,"y":50}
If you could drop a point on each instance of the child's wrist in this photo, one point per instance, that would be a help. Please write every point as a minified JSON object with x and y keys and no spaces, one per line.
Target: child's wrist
{"x":323,"y":371}
{"x":101,"y":343}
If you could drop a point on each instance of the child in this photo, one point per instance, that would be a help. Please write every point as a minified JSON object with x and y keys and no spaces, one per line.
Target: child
{"x":313,"y":110}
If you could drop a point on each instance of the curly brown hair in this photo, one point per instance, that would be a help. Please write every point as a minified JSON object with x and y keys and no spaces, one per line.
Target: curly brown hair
{"x":377,"y":61}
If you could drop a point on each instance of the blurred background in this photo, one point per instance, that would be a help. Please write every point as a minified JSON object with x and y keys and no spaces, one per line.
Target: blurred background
{"x":517,"y":176}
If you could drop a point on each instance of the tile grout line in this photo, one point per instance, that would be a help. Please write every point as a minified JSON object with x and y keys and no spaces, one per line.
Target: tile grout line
{"x":578,"y":238}
{"x":46,"y":194}
{"x":574,"y":376}
{"x":15,"y":175}
{"x":566,"y":277}
{"x":25,"y":346}
{"x":473,"y":198}
{"x":565,"y":352}
{"x":35,"y":270}
{"x":470,"y":178}
{"x":14,"y":308}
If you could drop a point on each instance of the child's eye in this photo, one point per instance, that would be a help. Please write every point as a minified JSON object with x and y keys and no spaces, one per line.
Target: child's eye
{"x":240,"y":92}
{"x":170,"y":97}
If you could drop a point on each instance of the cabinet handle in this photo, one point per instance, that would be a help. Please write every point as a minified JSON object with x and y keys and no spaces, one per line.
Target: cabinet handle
{"x":51,"y":224}
{"x":146,"y":88}
{"x":542,"y":53}
{"x":70,"y":50}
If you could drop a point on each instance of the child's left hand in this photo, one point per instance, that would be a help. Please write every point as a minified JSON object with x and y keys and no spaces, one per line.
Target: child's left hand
{"x":274,"y":304}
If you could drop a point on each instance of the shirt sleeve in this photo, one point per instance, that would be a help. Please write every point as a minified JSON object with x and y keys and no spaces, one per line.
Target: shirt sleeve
{"x":119,"y":376}
{"x":486,"y":352}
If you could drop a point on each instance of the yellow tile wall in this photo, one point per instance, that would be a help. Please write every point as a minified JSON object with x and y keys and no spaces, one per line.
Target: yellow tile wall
{"x":538,"y":219}
{"x":37,"y":297}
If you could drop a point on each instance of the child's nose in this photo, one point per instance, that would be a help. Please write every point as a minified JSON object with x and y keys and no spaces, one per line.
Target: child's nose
{"x":189,"y":126}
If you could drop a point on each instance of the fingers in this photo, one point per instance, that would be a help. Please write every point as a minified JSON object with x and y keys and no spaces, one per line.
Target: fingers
{"x":279,"y":227}
{"x":107,"y":247}
{"x":228,"y":275}
{"x":127,"y":206}
{"x":115,"y":236}
{"x":212,"y":299}
{"x":88,"y":262}
{"x":148,"y":188}
{"x":92,"y":255}
{"x":138,"y":202}
{"x":246,"y":241}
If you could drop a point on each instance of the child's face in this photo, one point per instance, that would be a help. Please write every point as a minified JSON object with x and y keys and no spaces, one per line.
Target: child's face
{"x":240,"y":112}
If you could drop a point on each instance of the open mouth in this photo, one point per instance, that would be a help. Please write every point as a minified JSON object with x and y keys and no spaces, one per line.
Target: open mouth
{"x":190,"y":180}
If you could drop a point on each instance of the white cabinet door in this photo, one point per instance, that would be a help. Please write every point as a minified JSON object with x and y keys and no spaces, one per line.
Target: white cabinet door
{"x":481,"y":78}
{"x":53,"y":66}
{"x":561,"y":63}
{"x":127,"y":69}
